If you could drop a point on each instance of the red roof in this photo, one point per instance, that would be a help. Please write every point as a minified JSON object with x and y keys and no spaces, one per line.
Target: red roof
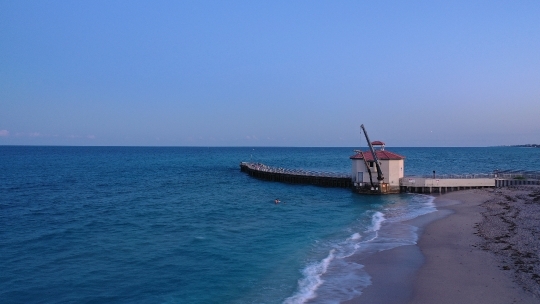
{"x":381,"y":155}
{"x":377,"y":143}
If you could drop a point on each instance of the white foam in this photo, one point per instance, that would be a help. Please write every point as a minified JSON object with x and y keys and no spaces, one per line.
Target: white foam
{"x":376,"y":221}
{"x":355,"y":236}
{"x":421,"y":204}
{"x":344,"y":279}
{"x":430,"y":202}
{"x":307,"y":286}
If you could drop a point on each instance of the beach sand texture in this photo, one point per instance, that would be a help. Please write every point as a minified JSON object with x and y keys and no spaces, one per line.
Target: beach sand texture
{"x":481,"y":246}
{"x":511,"y":230}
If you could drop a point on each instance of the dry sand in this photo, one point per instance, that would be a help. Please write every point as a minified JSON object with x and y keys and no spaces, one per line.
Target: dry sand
{"x":481,"y":246}
{"x":457,"y":267}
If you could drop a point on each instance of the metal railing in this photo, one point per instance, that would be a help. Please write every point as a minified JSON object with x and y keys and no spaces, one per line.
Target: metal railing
{"x":298,"y":172}
{"x":517,"y":174}
{"x":506,"y":174}
{"x":455,"y":176}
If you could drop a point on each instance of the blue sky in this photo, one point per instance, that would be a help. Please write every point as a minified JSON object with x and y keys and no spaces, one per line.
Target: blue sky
{"x":269,"y":73}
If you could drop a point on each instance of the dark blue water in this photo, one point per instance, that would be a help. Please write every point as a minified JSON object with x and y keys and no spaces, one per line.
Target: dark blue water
{"x":184,"y":225}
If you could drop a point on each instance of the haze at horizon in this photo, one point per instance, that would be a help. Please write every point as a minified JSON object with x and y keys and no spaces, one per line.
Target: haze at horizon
{"x":245,"y":73}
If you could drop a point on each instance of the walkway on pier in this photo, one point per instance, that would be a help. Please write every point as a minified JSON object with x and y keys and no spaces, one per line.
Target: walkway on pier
{"x":296,"y":176}
{"x":416,"y":184}
{"x":508,"y":178}
{"x":452,"y":182}
{"x":446,"y":183}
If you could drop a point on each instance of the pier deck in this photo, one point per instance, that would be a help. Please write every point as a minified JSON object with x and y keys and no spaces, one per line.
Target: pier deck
{"x":447,"y":183}
{"x":325,"y":179}
{"x":415,"y":184}
{"x":508,"y":178}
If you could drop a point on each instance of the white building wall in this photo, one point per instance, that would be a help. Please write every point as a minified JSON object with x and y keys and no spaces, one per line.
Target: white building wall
{"x":392,"y":171}
{"x":385,"y":170}
{"x":354,"y":169}
{"x":359,"y":166}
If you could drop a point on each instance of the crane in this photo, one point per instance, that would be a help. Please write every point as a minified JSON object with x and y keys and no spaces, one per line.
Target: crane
{"x":380,"y":176}
{"x":366,"y":164}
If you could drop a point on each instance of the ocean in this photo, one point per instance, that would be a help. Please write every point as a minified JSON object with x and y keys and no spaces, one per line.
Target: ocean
{"x":184,"y":225}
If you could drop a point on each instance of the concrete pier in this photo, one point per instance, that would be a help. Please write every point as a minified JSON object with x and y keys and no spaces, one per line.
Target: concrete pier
{"x":413,"y":184}
{"x":448,"y":185}
{"x":324,"y":179}
{"x":499,"y":183}
{"x":443,"y":185}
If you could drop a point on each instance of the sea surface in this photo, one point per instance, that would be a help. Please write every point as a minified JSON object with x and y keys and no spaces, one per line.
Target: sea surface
{"x":184,"y":225}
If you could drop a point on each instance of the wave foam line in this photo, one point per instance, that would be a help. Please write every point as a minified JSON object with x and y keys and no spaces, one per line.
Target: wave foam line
{"x":355,"y":236}
{"x":376,"y":221}
{"x":308,"y":285}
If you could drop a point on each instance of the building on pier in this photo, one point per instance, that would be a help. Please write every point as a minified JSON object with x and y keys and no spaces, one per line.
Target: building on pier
{"x":364,"y":169}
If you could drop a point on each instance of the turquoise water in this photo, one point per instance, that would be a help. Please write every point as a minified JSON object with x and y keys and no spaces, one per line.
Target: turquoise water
{"x":184,"y":225}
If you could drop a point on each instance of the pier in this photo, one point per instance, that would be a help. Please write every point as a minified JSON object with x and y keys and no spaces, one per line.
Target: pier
{"x":509,"y":178}
{"x":413,"y":184}
{"x":379,"y":171}
{"x":447,"y":183}
{"x":296,"y":176}
{"x":452,"y":182}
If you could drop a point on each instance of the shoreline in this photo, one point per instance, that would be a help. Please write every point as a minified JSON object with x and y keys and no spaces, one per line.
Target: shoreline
{"x":452,"y":262}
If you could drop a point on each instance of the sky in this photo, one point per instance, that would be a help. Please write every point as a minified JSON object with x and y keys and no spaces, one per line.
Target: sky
{"x":269,"y":73}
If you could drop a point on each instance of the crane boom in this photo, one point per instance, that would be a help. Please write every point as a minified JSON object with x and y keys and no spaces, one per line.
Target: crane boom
{"x":380,"y":176}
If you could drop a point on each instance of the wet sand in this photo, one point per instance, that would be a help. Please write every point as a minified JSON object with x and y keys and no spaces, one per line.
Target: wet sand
{"x":479,"y":247}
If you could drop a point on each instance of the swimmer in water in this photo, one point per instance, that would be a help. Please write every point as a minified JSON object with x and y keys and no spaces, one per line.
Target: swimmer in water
{"x":277,"y":201}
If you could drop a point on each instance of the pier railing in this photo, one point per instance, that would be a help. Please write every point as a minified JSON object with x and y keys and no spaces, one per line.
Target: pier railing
{"x":299,"y":172}
{"x":297,"y":176}
{"x":518,"y":174}
{"x":454,"y":176}
{"x":500,"y":175}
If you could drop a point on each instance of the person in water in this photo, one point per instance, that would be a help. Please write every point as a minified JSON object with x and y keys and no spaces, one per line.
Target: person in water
{"x":277,"y":201}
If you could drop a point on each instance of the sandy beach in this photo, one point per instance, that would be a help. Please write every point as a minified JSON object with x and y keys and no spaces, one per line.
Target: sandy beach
{"x":479,"y":247}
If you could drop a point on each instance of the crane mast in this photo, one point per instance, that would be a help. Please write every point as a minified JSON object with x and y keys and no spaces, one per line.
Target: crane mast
{"x":380,"y":176}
